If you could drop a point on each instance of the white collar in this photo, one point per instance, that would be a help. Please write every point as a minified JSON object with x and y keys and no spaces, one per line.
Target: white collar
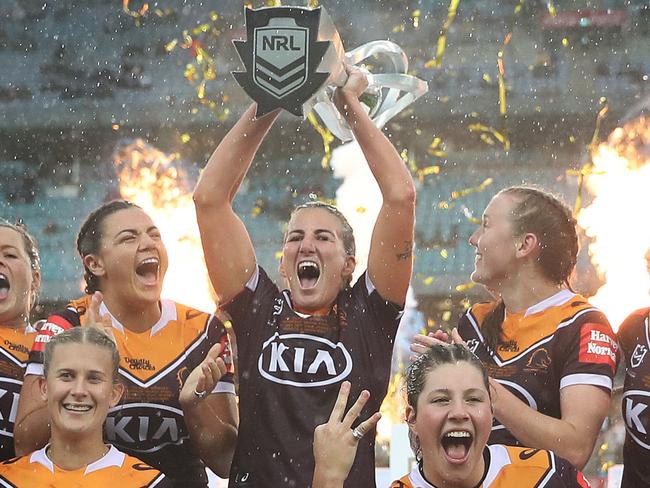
{"x":559,"y":298}
{"x":168,"y":313}
{"x":113,"y":457}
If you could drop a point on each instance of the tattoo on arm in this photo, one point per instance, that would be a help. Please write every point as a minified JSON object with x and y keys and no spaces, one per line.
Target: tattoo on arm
{"x":406,"y":253}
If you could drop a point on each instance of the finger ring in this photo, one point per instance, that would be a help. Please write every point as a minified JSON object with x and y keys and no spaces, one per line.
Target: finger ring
{"x":200,"y":394}
{"x":357,"y":434}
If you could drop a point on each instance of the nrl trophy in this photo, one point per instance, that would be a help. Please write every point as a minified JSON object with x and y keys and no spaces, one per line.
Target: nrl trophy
{"x":294,"y":60}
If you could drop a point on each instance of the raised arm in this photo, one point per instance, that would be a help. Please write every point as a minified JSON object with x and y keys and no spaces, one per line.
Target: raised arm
{"x":390,"y":261}
{"x":228,"y":250}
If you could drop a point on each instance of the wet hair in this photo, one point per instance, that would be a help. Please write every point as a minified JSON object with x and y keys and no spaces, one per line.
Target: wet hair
{"x":83,"y":335}
{"x":347,"y":234}
{"x":29,"y":243}
{"x":31,"y":248}
{"x":436,"y":356}
{"x":90,"y":235}
{"x":541,"y":213}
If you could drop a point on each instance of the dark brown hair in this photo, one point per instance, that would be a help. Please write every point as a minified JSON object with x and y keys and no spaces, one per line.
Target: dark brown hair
{"x":90,"y":236}
{"x":436,"y":356}
{"x":551,"y":220}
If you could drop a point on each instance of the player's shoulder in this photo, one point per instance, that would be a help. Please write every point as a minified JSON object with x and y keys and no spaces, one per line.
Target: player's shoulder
{"x":531,"y":467}
{"x":403,"y":482}
{"x":478,"y":311}
{"x":636,"y":319}
{"x":79,"y":305}
{"x":185,"y":313}
{"x":135,"y":469}
{"x":525,"y":456}
{"x":21,"y":471}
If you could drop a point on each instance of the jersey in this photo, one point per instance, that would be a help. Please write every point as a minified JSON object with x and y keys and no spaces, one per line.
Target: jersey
{"x":148,"y":422}
{"x":513,"y":467}
{"x":634,"y":338}
{"x":559,"y":342}
{"x":15,"y":344}
{"x":113,"y":469}
{"x":291,"y":366}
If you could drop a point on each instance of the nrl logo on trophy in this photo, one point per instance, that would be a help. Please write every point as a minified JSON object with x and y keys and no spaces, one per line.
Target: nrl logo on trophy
{"x":281,"y":57}
{"x":294,"y":60}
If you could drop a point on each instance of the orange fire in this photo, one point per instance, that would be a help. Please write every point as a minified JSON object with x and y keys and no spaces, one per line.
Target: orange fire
{"x":617,"y":220}
{"x":150,"y":178}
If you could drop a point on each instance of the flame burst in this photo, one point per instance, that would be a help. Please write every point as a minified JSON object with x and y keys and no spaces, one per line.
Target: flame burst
{"x":617,"y":220}
{"x":151,"y":179}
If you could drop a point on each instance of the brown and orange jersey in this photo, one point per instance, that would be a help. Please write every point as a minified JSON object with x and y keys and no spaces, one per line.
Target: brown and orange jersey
{"x":15,"y":344}
{"x":148,"y":422}
{"x":113,"y":469}
{"x":513,"y":467}
{"x":634,"y":338}
{"x":559,"y":342}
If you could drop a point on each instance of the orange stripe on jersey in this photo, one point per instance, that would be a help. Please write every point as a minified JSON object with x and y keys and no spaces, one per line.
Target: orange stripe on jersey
{"x":24,"y":472}
{"x":170,"y":343}
{"x":520,"y":332}
{"x":527,"y":467}
{"x":15,"y":343}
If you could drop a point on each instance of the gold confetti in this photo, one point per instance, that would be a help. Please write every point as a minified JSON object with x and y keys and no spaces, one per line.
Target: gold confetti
{"x":361,"y":210}
{"x":444,"y":254}
{"x":465,"y":286}
{"x":115,"y":126}
{"x":486,"y":129}
{"x":428,"y":280}
{"x":327,"y":137}
{"x":171,"y":45}
{"x":551,"y":8}
{"x":487,"y":182}
{"x":278,"y":255}
{"x":185,"y":138}
{"x":502,"y":84}
{"x":587,"y":168}
{"x":429,"y":170}
{"x":136,"y":14}
{"x":470,"y":216}
{"x":415,"y":15}
{"x":565,"y":42}
{"x":442,"y":39}
{"x":446,"y":315}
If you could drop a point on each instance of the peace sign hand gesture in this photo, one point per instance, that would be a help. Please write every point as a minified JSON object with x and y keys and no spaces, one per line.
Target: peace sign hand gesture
{"x":335,"y":442}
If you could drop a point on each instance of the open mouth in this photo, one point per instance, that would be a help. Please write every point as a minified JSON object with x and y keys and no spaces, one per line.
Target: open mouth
{"x":4,"y":286}
{"x":308,"y":274}
{"x":148,"y":270}
{"x":77,"y":408}
{"x":456,"y":445}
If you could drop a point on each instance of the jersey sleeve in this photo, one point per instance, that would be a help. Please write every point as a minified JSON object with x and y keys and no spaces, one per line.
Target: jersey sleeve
{"x":55,"y":324}
{"x":587,"y":350}
{"x":387,"y":314}
{"x":631,"y":332}
{"x":252,"y":301}
{"x":218,"y":333}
